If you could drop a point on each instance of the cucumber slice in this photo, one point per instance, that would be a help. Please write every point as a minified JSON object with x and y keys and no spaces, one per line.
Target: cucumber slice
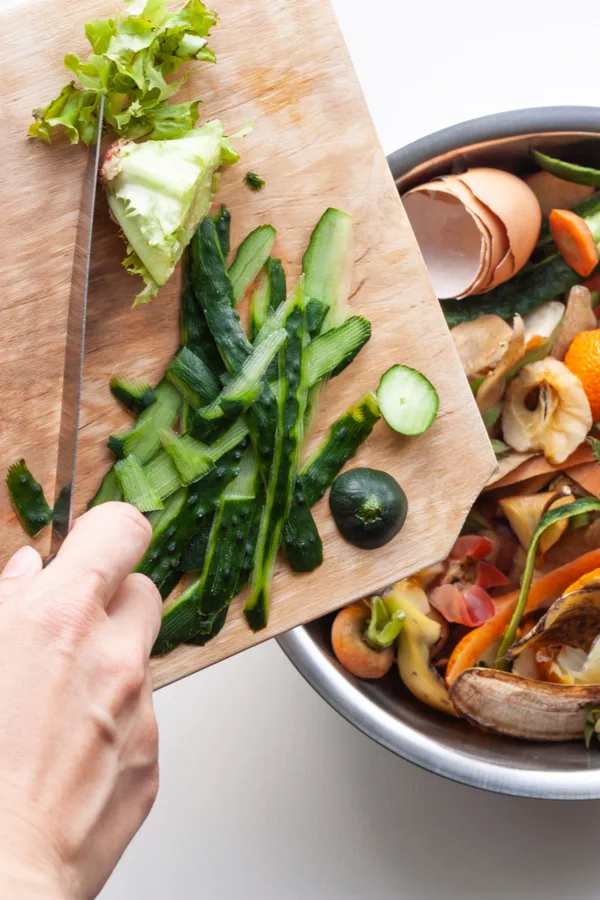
{"x":407,"y":400}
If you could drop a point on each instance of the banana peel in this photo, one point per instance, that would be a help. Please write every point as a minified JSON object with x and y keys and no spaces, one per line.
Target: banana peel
{"x":572,"y":621}
{"x":508,"y":704}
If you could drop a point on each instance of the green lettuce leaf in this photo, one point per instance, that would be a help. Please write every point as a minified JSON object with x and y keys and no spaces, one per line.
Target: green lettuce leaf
{"x":158,"y":191}
{"x":133,"y":59}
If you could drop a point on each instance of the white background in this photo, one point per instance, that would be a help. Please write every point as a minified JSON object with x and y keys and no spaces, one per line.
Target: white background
{"x":266,"y":793}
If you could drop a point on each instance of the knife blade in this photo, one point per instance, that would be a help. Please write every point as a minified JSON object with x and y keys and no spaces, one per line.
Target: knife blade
{"x":68,"y":433}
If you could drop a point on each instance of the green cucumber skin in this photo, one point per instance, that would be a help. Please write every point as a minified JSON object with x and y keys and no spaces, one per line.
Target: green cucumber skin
{"x":192,"y":377}
{"x":207,"y":430}
{"x":260,"y":304}
{"x":302,"y":542}
{"x":109,"y":490}
{"x":136,"y":401}
{"x":223,"y":576}
{"x":319,"y":472}
{"x":143,"y":439}
{"x":28,"y":499}
{"x":275,"y":286}
{"x":241,"y":391}
{"x":230,"y":337}
{"x":169,"y":481}
{"x":277,"y":282}
{"x":251,"y":256}
{"x":195,"y":332}
{"x":223,"y":229}
{"x":278,"y":294}
{"x":166,"y":547}
{"x":316,"y":313}
{"x":250,"y":548}
{"x":194,"y":553}
{"x":326,"y":260}
{"x":282,"y":477}
{"x":137,"y":489}
{"x":195,"y":610}
{"x":216,"y":298}
{"x":217,"y":624}
{"x":170,"y":583}
{"x":522,"y":294}
{"x":340,"y":445}
{"x":333,"y":351}
{"x":210,"y":430}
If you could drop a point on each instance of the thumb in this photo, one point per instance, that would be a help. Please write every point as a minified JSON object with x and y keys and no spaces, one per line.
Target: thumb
{"x":21,"y":568}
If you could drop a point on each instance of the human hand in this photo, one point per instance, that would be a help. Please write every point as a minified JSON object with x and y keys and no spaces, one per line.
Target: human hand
{"x":79,"y":743}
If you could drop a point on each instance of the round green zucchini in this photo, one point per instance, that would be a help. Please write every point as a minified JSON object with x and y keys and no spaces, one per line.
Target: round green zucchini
{"x":369,"y":507}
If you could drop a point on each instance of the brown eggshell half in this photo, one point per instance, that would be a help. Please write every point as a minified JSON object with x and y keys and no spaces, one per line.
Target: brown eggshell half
{"x":454,"y":247}
{"x":514,"y":203}
{"x":484,"y":269}
{"x":495,"y":227}
{"x":504,"y":270}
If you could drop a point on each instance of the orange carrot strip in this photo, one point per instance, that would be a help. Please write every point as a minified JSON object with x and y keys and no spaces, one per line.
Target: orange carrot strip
{"x":574,"y":240}
{"x":543,"y":593}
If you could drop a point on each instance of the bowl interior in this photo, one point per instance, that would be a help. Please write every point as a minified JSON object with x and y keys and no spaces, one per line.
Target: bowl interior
{"x":385,"y":709}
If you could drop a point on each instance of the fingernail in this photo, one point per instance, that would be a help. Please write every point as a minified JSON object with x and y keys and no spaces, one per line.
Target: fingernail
{"x":24,"y":560}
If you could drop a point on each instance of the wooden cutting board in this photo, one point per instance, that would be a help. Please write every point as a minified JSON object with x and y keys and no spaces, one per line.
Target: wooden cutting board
{"x":282,"y":64}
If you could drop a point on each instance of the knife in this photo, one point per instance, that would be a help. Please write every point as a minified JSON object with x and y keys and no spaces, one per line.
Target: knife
{"x":75,"y":348}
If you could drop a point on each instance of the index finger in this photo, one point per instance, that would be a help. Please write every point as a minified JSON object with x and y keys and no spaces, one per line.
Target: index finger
{"x":100,"y":551}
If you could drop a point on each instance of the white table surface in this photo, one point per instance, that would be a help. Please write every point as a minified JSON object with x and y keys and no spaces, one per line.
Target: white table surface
{"x":266,"y":793}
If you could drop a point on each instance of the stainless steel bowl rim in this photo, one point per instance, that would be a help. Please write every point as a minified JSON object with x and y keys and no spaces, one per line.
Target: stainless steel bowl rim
{"x":317,"y":668}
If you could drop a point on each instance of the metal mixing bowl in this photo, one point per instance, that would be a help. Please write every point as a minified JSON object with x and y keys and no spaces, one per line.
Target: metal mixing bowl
{"x":384,"y":710}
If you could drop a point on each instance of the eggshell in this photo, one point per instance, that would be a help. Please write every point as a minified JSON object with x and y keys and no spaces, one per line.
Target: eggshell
{"x":484,"y":269}
{"x":504,"y":270}
{"x":514,"y":203}
{"x":494,"y":225}
{"x":450,"y":237}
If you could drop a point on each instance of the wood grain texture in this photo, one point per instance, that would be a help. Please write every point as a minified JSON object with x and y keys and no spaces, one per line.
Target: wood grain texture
{"x":283,"y":64}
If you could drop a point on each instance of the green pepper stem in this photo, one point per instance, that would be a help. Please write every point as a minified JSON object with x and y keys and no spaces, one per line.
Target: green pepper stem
{"x":383,"y":628}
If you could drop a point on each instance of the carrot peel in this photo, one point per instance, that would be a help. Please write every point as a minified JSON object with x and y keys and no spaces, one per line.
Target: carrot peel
{"x":574,"y":240}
